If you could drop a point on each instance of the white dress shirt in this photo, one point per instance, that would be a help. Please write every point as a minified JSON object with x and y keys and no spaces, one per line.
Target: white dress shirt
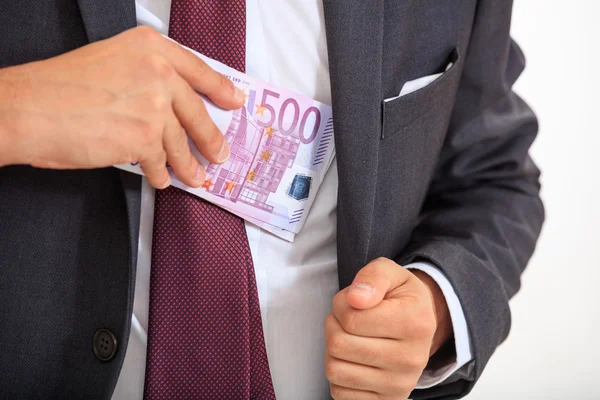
{"x":296,"y":281}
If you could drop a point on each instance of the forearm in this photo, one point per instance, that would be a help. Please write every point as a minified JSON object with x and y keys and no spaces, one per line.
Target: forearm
{"x":13,"y":149}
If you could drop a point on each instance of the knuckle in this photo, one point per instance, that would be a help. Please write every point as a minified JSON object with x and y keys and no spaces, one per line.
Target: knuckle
{"x":147,"y":133}
{"x":180,"y":141}
{"x":159,"y":158}
{"x":371,"y":356}
{"x":416,"y":362}
{"x":397,"y":383}
{"x":335,"y":343}
{"x":202,"y":68}
{"x":197,"y":118}
{"x":353,"y":380}
{"x":335,"y":391}
{"x":403,"y":387}
{"x":349,"y":321}
{"x":330,"y":319}
{"x":422,"y":360}
{"x":331,"y":371}
{"x":158,"y":103}
{"x":146,"y":33}
{"x":214,"y":138}
{"x":177,"y":154}
{"x":392,"y":381}
{"x":429,"y":327}
{"x":423,"y":325}
{"x":225,"y":83}
{"x":159,"y":67}
{"x":410,"y":384}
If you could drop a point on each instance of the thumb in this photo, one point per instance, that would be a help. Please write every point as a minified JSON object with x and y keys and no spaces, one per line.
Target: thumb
{"x":374,"y":281}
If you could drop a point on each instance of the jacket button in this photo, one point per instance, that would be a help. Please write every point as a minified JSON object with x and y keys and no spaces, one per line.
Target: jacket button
{"x":104,"y":344}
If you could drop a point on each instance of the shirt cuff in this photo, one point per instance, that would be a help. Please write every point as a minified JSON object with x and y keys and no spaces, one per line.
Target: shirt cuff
{"x":462,"y":344}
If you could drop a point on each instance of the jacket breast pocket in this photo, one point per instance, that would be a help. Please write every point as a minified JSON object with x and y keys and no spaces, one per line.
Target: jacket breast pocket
{"x":438,"y":91}
{"x":415,"y":126}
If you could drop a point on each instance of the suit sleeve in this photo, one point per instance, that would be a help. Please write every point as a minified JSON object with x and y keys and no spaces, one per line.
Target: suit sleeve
{"x":482,"y":216}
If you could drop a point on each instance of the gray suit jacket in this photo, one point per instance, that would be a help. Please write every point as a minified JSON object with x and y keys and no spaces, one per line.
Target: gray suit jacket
{"x":442,"y":175}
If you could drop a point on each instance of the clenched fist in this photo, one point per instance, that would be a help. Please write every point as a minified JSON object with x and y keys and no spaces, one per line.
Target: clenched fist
{"x":382,"y":332}
{"x":132,"y":97}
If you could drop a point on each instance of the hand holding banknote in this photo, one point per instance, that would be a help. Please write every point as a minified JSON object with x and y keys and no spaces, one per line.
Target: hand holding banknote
{"x":129,"y":98}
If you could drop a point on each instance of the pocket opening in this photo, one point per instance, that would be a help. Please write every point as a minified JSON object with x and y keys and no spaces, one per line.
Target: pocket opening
{"x":401,"y":111}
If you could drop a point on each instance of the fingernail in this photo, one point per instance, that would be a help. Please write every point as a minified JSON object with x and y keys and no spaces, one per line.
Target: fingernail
{"x":361,"y":289}
{"x":167,"y":183}
{"x":199,"y":177}
{"x":238,"y":94}
{"x":224,"y":152}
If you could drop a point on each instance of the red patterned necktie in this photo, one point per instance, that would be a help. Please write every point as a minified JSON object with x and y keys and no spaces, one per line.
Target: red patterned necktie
{"x":205,"y":336}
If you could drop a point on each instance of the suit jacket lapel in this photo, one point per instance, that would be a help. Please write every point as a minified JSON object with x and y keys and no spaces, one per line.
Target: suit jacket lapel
{"x":106,"y":18}
{"x":355,"y":39}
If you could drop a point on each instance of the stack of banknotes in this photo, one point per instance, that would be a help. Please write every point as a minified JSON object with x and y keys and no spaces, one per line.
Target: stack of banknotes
{"x":281,"y":146}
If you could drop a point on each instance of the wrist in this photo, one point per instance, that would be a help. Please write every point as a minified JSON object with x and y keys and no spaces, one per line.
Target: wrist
{"x":444,"y":330}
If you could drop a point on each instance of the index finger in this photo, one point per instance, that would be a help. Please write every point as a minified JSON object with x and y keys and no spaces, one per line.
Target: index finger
{"x":390,"y":319}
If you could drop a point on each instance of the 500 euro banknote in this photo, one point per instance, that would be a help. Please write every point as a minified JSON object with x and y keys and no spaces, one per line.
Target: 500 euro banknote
{"x":281,"y":146}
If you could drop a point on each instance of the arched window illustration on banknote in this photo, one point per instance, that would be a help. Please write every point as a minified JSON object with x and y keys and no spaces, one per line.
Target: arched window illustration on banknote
{"x":258,"y":161}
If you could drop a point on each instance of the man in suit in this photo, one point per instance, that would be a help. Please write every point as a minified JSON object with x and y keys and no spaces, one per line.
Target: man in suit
{"x":424,"y":223}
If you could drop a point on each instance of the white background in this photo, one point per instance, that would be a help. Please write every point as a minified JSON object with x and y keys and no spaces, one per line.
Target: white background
{"x":553,"y":351}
